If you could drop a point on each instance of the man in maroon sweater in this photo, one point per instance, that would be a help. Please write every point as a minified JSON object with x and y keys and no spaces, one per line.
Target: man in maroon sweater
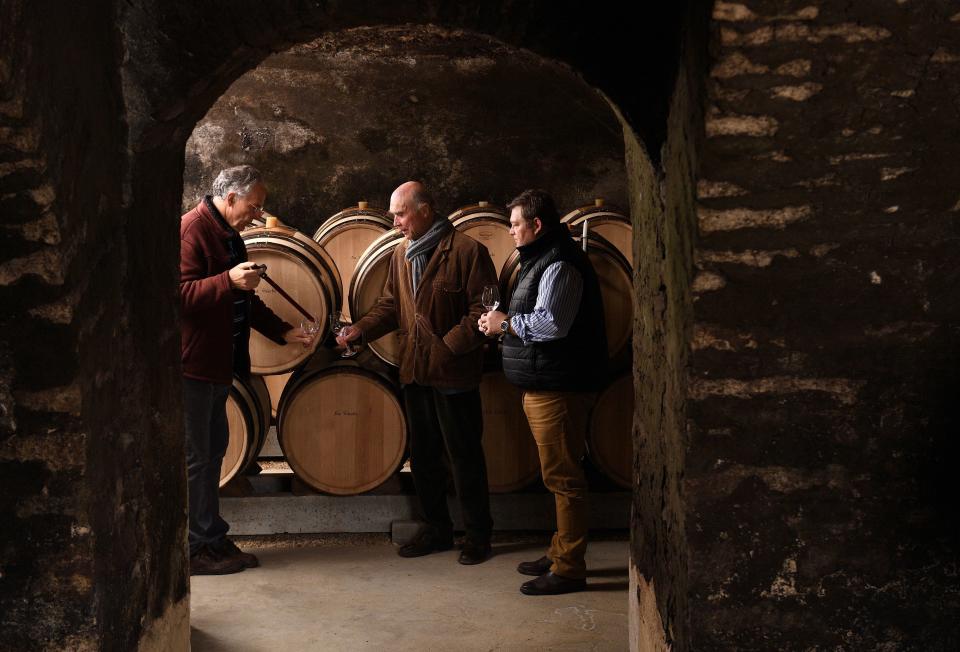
{"x":218,"y":307}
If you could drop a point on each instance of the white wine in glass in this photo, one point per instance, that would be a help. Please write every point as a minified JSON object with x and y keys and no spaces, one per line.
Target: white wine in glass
{"x":491,"y":297}
{"x":337,"y":325}
{"x":310,"y":328}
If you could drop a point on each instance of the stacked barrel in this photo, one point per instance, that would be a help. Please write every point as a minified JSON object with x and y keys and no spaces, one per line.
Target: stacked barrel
{"x":340,"y":423}
{"x":610,"y":438}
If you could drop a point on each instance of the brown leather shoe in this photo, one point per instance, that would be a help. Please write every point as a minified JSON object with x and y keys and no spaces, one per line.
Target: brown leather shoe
{"x":550,"y":584}
{"x":206,"y":561}
{"x":474,"y":553}
{"x":227,"y":548}
{"x":426,"y":541}
{"x":535,"y":568}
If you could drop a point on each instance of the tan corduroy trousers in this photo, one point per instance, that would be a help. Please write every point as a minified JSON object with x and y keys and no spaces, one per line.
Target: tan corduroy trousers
{"x":558,"y":421}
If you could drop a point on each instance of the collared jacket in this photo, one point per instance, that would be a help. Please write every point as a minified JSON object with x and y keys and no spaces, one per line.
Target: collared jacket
{"x":206,"y":301}
{"x":442,"y":346}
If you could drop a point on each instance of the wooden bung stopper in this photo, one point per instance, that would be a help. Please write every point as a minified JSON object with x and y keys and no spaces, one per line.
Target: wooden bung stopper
{"x":483,"y":204}
{"x":271,"y":221}
{"x":598,"y":202}
{"x":362,"y":204}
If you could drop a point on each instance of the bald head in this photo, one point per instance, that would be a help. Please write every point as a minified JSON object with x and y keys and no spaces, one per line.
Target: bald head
{"x":412,"y":209}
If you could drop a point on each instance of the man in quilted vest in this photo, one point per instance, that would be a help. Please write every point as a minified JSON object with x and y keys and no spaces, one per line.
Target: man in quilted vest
{"x":555,"y":350}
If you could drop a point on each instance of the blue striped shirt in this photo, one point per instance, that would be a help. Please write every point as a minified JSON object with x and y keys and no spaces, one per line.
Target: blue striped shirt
{"x":558,"y":299}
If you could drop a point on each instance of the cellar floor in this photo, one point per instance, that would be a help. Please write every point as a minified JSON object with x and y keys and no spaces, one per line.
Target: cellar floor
{"x":352,"y":592}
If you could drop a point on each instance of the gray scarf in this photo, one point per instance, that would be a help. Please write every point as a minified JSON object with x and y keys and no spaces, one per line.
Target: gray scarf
{"x":418,"y":251}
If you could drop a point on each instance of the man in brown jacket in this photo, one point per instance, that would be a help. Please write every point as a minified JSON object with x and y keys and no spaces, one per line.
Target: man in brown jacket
{"x":432,"y":296}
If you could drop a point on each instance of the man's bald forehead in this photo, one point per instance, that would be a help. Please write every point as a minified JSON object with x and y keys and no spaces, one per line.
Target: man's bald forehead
{"x":414,"y":194}
{"x":409,"y":188}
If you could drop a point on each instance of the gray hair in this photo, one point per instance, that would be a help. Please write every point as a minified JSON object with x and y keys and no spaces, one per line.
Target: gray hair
{"x":239,"y":179}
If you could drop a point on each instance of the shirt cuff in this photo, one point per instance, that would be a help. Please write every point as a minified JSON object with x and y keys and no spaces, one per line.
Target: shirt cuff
{"x":519,"y":327}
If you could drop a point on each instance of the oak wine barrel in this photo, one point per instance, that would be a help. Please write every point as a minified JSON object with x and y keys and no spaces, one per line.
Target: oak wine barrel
{"x":341,"y":427}
{"x":366,"y":286}
{"x":308,"y":274}
{"x":275,"y":384}
{"x":490,"y":226}
{"x":616,"y":287}
{"x":606,"y":220}
{"x":346,"y":235}
{"x":248,"y":417}
{"x":610,"y":435}
{"x":262,"y":220}
{"x":508,"y":445}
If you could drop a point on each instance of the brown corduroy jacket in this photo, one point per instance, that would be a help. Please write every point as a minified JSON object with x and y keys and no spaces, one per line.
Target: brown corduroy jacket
{"x":442,"y":346}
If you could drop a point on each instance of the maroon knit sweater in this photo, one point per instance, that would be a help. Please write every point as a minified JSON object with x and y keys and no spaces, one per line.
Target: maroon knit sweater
{"x":206,"y":301}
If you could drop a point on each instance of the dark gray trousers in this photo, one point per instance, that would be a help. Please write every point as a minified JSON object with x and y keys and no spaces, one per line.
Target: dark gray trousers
{"x":205,"y":417}
{"x":452,"y":423}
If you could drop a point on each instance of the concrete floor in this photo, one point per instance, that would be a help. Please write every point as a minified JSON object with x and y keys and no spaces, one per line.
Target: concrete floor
{"x":361,"y":596}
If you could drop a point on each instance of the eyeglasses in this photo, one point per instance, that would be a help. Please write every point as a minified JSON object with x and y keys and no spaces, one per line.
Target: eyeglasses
{"x":257,"y":209}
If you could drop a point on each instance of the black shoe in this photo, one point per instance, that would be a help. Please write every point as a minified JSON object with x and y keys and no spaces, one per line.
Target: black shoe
{"x":227,"y":548}
{"x":474,"y":553}
{"x":550,"y":584}
{"x":207,"y":561}
{"x":535,"y":568}
{"x":427,"y":540}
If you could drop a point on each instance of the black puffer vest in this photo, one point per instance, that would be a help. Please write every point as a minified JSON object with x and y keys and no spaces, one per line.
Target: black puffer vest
{"x":577,"y":362}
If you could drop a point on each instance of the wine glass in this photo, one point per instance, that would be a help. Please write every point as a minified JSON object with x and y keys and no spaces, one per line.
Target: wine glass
{"x":337,"y":325}
{"x":491,"y":297}
{"x":310,"y":327}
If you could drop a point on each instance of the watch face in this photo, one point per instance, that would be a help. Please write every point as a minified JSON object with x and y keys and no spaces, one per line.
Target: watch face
{"x":504,"y":326}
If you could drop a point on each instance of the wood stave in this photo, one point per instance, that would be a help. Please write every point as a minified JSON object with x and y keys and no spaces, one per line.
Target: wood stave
{"x":608,"y":221}
{"x":306,"y":248}
{"x":276,"y":383}
{"x":250,"y":401}
{"x":470,"y":218}
{"x":508,"y":446}
{"x":481,"y":209}
{"x":387,"y":348}
{"x":291,"y":244}
{"x":323,"y":369}
{"x":350,"y":215}
{"x":610,"y":431}
{"x":340,"y":226}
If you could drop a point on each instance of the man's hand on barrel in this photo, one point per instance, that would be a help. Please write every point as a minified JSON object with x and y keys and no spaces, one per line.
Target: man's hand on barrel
{"x":245,"y":276}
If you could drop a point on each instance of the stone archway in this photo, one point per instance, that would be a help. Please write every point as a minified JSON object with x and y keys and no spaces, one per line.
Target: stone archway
{"x":99,"y":108}
{"x":339,"y":118}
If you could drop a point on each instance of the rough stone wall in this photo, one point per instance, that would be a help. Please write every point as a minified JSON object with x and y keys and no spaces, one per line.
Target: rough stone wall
{"x":661,"y":310}
{"x":97,"y":100}
{"x":663,"y":205}
{"x":824,"y":365}
{"x":350,"y":115}
{"x":91,"y":520}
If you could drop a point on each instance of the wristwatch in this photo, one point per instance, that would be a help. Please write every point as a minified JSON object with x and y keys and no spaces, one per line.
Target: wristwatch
{"x":504,"y":327}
